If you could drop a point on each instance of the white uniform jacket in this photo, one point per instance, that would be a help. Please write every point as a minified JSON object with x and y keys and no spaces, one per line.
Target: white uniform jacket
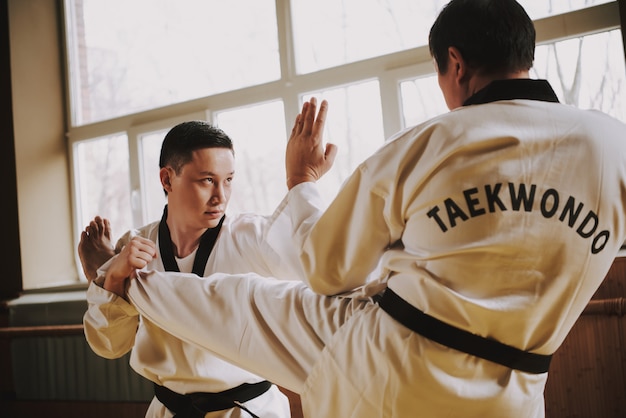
{"x":113,"y":327}
{"x":500,"y":218}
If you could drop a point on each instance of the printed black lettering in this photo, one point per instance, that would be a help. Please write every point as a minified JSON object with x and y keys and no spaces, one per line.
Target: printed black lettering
{"x":548,"y":213}
{"x":433,"y":214}
{"x":569,"y":210}
{"x":472,"y":203}
{"x":454,"y":212}
{"x":590,"y":217}
{"x":522,"y":197}
{"x":597,"y":247}
{"x":493,"y":199}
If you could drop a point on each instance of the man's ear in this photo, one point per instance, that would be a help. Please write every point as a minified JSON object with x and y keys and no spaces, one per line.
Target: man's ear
{"x":457,"y":64}
{"x":166,"y":178}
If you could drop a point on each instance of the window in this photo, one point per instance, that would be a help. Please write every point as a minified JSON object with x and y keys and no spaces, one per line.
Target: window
{"x":421,"y":100}
{"x":586,"y":71}
{"x":135,"y":69}
{"x":152,"y":192}
{"x":539,"y":9}
{"x":259,"y":136}
{"x":328,"y":33}
{"x":101,"y":170}
{"x":131,"y":56}
{"x":355,"y":125}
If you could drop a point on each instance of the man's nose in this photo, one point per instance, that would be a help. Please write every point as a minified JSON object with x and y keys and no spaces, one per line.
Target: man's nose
{"x":218,"y":193}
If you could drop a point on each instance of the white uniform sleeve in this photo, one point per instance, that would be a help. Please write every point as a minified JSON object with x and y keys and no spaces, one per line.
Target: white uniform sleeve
{"x":128,"y":235}
{"x":342,"y":246}
{"x":110,"y":321}
{"x":300,"y":208}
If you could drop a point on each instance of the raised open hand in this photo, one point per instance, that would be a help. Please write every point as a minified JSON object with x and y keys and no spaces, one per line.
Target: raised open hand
{"x":307,"y":159}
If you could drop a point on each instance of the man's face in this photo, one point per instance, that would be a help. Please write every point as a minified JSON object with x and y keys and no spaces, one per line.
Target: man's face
{"x":199,"y":194}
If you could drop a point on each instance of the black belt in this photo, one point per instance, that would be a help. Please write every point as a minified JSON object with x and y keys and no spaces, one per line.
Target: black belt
{"x":461,"y":340}
{"x":197,"y":404}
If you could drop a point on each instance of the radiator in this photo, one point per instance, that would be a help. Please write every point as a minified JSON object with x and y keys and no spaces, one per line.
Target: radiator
{"x":65,"y":367}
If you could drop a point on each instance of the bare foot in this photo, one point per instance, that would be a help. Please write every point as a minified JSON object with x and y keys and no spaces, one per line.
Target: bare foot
{"x":95,"y":246}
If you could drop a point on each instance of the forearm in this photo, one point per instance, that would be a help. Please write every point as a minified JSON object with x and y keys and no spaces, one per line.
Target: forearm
{"x":110,"y":323}
{"x":115,"y":286}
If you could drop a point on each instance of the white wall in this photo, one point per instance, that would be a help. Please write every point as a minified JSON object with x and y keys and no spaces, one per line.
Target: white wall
{"x":47,"y":244}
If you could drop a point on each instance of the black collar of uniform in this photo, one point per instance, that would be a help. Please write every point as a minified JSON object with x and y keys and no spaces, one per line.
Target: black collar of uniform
{"x":519,"y":88}
{"x":166,"y":247}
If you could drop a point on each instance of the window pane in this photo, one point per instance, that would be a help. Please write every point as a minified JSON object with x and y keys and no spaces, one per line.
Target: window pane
{"x":422,"y":99}
{"x":586,"y":72}
{"x":537,"y":9}
{"x":103,"y":183}
{"x":153,"y":195}
{"x":127,"y":56}
{"x":355,"y":125}
{"x":328,"y":33}
{"x":258,"y":134}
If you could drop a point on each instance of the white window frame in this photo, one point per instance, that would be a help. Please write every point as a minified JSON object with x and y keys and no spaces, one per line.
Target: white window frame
{"x":389,"y":69}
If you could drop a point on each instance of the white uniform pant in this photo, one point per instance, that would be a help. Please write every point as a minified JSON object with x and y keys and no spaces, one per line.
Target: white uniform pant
{"x":344,"y":355}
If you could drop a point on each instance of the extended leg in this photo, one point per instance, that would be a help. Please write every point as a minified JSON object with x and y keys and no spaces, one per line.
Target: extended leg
{"x":276,"y":329}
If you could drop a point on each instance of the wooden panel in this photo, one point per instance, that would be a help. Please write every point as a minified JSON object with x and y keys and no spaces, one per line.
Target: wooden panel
{"x":81,"y":409}
{"x":587,"y":376}
{"x":294,"y":403}
{"x":74,"y":409}
{"x":69,"y":409}
{"x":41,"y":331}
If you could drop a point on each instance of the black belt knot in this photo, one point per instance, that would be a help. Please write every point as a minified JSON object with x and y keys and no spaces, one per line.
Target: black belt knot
{"x":461,"y":340}
{"x":197,"y":404}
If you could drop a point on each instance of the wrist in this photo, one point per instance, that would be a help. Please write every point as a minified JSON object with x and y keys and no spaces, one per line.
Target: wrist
{"x":114,"y":284}
{"x":293,"y":181}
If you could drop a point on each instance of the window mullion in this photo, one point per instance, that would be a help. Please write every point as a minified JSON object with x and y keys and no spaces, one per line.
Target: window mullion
{"x":289,"y":96}
{"x":134,"y":159}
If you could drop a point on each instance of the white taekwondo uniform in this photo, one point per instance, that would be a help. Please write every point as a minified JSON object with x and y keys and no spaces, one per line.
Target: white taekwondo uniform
{"x":500,"y":218}
{"x":113,"y":326}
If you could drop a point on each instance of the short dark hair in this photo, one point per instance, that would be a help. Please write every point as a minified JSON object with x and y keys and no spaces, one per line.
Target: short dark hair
{"x":491,"y":35}
{"x":184,"y":138}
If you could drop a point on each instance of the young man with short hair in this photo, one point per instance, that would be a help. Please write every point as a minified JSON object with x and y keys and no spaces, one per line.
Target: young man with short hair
{"x":197,"y":168}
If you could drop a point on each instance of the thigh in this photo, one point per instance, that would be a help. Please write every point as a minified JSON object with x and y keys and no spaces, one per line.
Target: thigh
{"x":368,"y":369}
{"x":375,"y":367}
{"x":289,"y":326}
